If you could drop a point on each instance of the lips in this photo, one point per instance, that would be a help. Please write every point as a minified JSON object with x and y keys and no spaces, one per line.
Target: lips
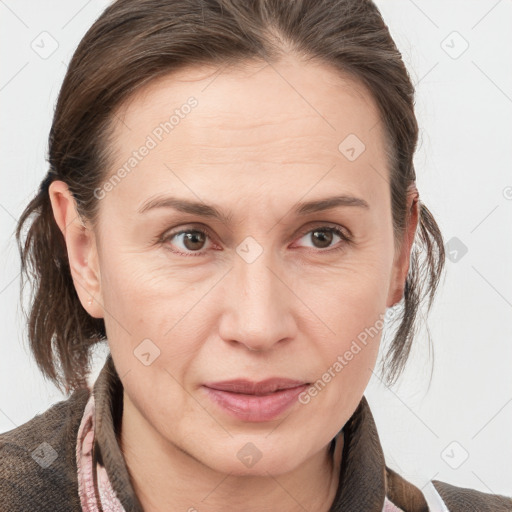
{"x":255,"y":401}
{"x":260,"y":388}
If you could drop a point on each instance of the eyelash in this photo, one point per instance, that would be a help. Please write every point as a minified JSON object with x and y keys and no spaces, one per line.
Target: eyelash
{"x":346,"y":239}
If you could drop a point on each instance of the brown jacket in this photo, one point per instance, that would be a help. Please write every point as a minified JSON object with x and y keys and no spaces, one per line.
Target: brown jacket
{"x":38,"y":465}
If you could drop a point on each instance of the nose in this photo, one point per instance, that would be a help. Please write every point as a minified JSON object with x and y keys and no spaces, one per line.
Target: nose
{"x":258,"y":305}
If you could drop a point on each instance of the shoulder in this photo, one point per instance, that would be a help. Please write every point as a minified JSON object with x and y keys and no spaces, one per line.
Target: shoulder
{"x":438,"y":496}
{"x":38,"y":461}
{"x":462,"y":499}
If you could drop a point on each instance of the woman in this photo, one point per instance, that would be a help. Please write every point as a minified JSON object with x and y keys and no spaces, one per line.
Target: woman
{"x":231,"y":206}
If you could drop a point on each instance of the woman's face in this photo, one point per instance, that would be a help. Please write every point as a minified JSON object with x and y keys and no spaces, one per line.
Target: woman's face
{"x":269,"y":289}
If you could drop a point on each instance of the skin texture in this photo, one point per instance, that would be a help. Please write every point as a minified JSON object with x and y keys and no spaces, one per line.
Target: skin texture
{"x":261,"y":139}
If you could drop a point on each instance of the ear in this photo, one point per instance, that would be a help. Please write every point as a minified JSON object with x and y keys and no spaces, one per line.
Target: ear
{"x":81,"y":248}
{"x":402,"y":258}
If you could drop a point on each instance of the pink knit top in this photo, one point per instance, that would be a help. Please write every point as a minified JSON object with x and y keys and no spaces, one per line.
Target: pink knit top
{"x":96,"y":493}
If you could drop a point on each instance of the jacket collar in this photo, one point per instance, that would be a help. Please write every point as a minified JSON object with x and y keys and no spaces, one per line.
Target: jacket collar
{"x":362,"y":482}
{"x":108,"y":398}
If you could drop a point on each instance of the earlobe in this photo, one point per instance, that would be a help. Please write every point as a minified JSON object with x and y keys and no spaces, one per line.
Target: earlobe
{"x":81,"y":248}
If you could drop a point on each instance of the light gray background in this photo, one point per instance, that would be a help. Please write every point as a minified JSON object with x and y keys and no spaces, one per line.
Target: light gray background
{"x":464,"y":162}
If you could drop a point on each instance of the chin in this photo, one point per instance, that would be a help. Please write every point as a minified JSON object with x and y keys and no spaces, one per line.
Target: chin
{"x":257,"y":457}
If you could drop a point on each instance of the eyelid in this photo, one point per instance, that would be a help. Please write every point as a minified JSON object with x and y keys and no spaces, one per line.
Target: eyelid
{"x":327,"y":225}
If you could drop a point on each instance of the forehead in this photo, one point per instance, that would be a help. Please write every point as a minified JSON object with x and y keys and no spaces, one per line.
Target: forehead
{"x":258,"y":120}
{"x":257,"y":97}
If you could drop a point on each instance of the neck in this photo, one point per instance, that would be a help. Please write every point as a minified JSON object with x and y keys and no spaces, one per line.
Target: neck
{"x":164,"y":477}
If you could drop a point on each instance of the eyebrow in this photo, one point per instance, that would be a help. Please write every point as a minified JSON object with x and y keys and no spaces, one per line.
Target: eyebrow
{"x":205,"y":210}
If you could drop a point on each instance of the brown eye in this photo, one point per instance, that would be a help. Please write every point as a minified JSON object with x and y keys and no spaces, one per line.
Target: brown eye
{"x":194,"y":240}
{"x":189,"y":241}
{"x":323,"y":237}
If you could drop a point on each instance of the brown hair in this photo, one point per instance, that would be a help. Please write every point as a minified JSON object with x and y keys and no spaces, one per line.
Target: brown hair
{"x":135,"y":41}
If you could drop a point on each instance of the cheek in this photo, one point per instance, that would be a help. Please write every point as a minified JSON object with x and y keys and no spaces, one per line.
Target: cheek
{"x":352,"y":297}
{"x":349,"y":355}
{"x":146,"y":312}
{"x":353,"y":306}
{"x":133,"y":286}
